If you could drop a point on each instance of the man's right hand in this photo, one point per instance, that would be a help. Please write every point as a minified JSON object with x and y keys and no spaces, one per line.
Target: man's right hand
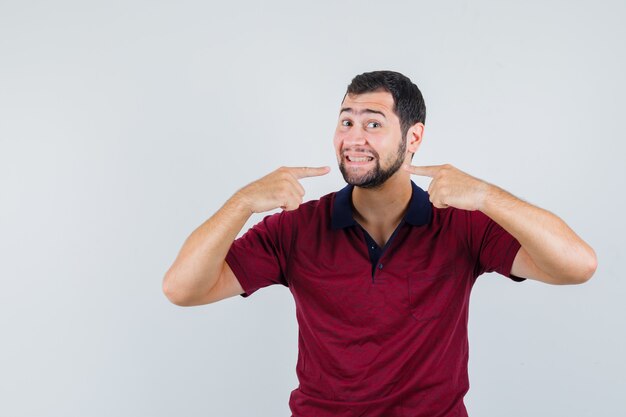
{"x":200,"y":274}
{"x":278,"y":189}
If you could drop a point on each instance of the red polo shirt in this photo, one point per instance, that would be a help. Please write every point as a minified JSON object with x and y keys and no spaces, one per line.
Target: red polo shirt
{"x":382,"y":331}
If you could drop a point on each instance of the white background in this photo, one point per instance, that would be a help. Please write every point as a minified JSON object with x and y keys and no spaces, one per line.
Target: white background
{"x":125,"y":124}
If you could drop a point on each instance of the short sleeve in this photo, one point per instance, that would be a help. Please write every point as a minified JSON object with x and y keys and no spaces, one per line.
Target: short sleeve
{"x":258,"y":257}
{"x":493,"y":247}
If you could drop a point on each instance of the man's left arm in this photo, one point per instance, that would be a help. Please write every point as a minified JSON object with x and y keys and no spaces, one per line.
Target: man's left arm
{"x":550,"y":250}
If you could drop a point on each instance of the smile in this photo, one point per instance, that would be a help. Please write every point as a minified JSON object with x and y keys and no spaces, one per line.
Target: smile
{"x":359,"y":159}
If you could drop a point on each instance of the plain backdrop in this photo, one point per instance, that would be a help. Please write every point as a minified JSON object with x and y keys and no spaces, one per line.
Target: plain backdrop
{"x":125,"y":124}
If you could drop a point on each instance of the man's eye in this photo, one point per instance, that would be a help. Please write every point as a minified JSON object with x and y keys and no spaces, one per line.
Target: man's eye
{"x":346,"y":123}
{"x":373,"y":124}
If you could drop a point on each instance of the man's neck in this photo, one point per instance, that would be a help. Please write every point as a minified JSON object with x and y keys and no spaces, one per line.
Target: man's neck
{"x":383,"y":208}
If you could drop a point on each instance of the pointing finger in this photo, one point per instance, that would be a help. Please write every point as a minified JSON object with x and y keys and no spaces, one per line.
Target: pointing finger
{"x":304,"y":172}
{"x":426,"y":171}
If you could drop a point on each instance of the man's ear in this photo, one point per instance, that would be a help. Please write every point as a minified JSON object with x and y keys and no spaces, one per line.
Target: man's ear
{"x":414,"y":137}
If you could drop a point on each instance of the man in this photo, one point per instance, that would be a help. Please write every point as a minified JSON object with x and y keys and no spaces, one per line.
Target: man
{"x":380,"y":271}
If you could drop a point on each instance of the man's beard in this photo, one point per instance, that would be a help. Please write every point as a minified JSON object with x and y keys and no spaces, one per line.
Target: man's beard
{"x":377,"y":176}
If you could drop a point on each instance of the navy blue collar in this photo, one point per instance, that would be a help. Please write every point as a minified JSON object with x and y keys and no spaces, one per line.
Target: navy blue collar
{"x":418,"y":214}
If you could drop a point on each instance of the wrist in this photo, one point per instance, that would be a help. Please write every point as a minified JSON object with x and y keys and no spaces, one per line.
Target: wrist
{"x":486,"y":196}
{"x":241,"y":203}
{"x":498,"y":201}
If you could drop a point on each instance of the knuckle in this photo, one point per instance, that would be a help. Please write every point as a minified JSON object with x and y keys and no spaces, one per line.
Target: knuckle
{"x":283,"y":170}
{"x":281,"y":196}
{"x":284,"y":181}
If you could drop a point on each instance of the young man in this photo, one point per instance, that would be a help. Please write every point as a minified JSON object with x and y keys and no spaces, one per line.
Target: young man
{"x":381,"y":271}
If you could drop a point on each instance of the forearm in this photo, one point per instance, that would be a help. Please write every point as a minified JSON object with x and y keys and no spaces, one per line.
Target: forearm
{"x":199,"y":262}
{"x":552,"y":245}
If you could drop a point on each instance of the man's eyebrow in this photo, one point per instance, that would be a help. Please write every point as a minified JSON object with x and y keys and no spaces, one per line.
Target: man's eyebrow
{"x":350,"y":110}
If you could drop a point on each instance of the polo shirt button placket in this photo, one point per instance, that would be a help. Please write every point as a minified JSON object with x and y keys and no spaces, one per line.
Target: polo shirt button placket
{"x":380,"y":267}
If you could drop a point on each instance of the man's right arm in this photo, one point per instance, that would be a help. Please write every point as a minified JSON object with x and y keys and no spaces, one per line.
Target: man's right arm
{"x":200,"y":275}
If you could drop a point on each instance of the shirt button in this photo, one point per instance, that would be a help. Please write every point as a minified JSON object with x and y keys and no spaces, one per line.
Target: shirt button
{"x":380,"y":266}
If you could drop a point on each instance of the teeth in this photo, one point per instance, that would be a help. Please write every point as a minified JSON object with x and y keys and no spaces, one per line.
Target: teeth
{"x":360,"y":159}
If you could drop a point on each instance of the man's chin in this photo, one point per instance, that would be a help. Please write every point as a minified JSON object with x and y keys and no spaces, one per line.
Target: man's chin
{"x":361,"y":182}
{"x":368,"y":181}
{"x":357,"y":181}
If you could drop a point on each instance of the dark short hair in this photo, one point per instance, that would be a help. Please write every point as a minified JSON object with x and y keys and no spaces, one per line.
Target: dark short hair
{"x":408,"y":101}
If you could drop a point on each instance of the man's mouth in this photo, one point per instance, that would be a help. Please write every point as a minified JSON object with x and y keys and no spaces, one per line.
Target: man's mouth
{"x":359,"y":158}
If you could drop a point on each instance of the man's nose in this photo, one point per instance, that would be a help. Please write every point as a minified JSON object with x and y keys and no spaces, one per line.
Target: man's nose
{"x":356,"y":136}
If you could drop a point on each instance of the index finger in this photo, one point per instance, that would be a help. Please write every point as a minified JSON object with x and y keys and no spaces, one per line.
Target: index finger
{"x":426,"y":170}
{"x":304,"y":172}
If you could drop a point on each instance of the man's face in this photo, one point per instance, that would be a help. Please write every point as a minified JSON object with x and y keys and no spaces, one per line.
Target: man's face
{"x":368,"y":139}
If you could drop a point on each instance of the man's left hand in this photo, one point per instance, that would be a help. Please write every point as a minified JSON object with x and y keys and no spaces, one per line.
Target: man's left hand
{"x":452,"y":187}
